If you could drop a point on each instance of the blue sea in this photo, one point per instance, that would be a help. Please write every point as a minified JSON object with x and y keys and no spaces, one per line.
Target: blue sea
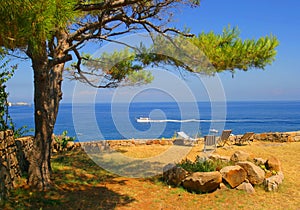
{"x":102,"y":121}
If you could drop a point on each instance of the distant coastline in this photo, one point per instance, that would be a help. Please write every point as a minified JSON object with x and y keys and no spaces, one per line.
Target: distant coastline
{"x":19,"y":104}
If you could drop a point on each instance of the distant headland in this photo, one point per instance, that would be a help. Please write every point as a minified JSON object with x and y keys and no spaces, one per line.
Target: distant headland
{"x":19,"y":104}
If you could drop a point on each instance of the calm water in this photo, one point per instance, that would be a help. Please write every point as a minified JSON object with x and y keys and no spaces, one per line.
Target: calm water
{"x":118,"y":121}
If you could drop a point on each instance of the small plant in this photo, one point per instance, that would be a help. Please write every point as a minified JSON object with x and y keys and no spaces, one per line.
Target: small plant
{"x":62,"y":140}
{"x":5,"y":75}
{"x":263,"y":167}
{"x":202,"y":164}
{"x":22,"y":131}
{"x":174,"y":135}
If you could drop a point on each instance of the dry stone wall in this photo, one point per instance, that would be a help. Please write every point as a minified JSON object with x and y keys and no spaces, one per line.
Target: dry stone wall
{"x":293,"y":136}
{"x":112,"y":144}
{"x":9,"y":164}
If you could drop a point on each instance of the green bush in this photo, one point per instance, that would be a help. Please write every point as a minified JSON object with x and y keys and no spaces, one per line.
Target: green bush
{"x":5,"y":74}
{"x":202,"y":164}
{"x":62,"y":140}
{"x":22,"y":131}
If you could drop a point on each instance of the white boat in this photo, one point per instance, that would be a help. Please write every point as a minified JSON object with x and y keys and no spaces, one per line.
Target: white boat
{"x":213,"y":130}
{"x":143,"y":119}
{"x":18,"y":104}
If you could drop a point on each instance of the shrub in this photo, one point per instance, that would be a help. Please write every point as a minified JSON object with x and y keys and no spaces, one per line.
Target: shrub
{"x":5,"y":75}
{"x":62,"y":140}
{"x":6,"y":121}
{"x":22,"y":131}
{"x":202,"y":164}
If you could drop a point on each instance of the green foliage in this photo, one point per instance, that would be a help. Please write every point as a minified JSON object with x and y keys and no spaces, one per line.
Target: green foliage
{"x":22,"y":131}
{"x":139,"y":78}
{"x":227,"y":51}
{"x":202,"y":165}
{"x":118,"y":67}
{"x":5,"y":119}
{"x":33,"y":21}
{"x":267,"y":171}
{"x":5,"y":75}
{"x":62,"y":140}
{"x":178,"y":52}
{"x":209,"y":53}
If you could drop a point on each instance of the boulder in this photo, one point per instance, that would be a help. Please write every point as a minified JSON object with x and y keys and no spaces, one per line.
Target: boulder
{"x":239,"y":156}
{"x":77,"y":144}
{"x":233,"y":175}
{"x":225,"y":159}
{"x":70,"y":145}
{"x":215,"y":157}
{"x":273,"y":164}
{"x":259,"y":161}
{"x":255,"y":174}
{"x":297,"y":138}
{"x":272,"y":183}
{"x":173,"y":174}
{"x":202,"y":182}
{"x":247,"y":187}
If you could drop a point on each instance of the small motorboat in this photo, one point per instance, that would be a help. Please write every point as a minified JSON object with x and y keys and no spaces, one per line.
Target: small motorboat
{"x":143,"y":120}
{"x":213,"y":130}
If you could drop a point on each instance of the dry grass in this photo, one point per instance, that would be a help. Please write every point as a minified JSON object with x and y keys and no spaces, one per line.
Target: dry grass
{"x":143,"y":151}
{"x":81,"y":184}
{"x":286,"y":198}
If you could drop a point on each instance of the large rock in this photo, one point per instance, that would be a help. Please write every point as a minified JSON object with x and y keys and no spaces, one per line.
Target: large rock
{"x":272,"y":183}
{"x":215,"y":157}
{"x":255,"y":174}
{"x":70,"y":145}
{"x":247,"y":187}
{"x":173,"y":174}
{"x":259,"y":161}
{"x":273,"y":164}
{"x":233,"y":175}
{"x":202,"y":182}
{"x":239,"y":156}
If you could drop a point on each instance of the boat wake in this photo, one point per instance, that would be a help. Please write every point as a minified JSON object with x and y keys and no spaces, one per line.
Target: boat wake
{"x":147,"y":120}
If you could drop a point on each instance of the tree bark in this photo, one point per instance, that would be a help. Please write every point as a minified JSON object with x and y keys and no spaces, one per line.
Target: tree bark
{"x":47,"y":95}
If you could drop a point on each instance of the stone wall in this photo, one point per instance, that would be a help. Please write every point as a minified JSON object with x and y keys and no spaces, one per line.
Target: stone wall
{"x":97,"y":146}
{"x":9,"y":165}
{"x":293,"y":136}
{"x":111,"y":144}
{"x":24,"y":147}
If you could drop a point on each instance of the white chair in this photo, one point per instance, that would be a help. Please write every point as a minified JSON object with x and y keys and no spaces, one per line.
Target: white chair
{"x":184,"y":139}
{"x":210,"y":141}
{"x":184,"y":136}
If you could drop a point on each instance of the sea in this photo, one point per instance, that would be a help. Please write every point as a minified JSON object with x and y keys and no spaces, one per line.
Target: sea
{"x":105,"y":121}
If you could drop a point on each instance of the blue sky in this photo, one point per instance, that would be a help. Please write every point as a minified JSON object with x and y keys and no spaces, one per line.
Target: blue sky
{"x":254,"y":18}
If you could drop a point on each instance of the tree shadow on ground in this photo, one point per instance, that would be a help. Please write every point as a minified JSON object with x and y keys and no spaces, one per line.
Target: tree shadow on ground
{"x":77,"y":197}
{"x":127,"y":166}
{"x":78,"y":183}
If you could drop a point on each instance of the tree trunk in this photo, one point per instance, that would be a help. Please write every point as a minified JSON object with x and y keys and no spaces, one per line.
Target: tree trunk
{"x":47,"y":95}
